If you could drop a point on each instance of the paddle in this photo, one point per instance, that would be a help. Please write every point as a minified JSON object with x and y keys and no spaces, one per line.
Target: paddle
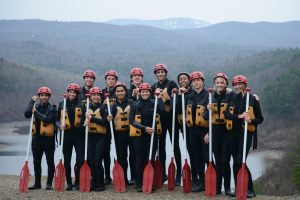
{"x":158,"y":170}
{"x":25,"y":173}
{"x":148,"y":171}
{"x":85,"y":171}
{"x":242,"y":176}
{"x":210,"y":174}
{"x":186,"y":170}
{"x":171,"y":169}
{"x":118,"y":172}
{"x":60,"y":172}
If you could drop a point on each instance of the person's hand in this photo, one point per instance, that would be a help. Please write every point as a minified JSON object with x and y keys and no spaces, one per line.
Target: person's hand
{"x":242,"y":116}
{"x":33,"y":109}
{"x":247,"y":117}
{"x":35,"y":98}
{"x":174,"y":91}
{"x":149,"y":130}
{"x":62,"y":127}
{"x":182,"y":90}
{"x":88,"y":115}
{"x":206,"y":138}
{"x":135,"y":92}
{"x":209,"y":106}
{"x":256,"y":97}
{"x":109,"y":118}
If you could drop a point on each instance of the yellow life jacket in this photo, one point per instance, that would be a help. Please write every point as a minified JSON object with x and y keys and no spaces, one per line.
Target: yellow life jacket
{"x":45,"y":129}
{"x":78,"y":115}
{"x":94,"y":127}
{"x":179,"y":118}
{"x":165,"y":96}
{"x":229,"y":122}
{"x":189,"y":117}
{"x":218,"y":118}
{"x":200,"y":121}
{"x":133,"y":132}
{"x":121,"y":120}
{"x":251,"y":127}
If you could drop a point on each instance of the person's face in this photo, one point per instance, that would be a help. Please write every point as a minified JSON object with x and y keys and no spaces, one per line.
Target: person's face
{"x":95,"y":98}
{"x":160,"y":74}
{"x":220,"y":84}
{"x":197,"y":84}
{"x":120,"y":92}
{"x":111,"y":81}
{"x":184,"y":81}
{"x":44,"y":98}
{"x":89,"y":81}
{"x":145,"y":94}
{"x":72,"y":95}
{"x":239,"y":87}
{"x":137,"y":79}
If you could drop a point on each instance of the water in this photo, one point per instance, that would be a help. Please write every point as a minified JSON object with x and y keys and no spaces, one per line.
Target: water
{"x":12,"y":155}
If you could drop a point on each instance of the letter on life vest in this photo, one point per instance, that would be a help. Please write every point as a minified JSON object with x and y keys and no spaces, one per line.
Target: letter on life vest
{"x":229,"y":122}
{"x":199,"y":121}
{"x":216,"y":117}
{"x":189,"y":118}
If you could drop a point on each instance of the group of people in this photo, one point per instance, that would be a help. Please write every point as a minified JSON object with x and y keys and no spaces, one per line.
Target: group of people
{"x":132,"y":114}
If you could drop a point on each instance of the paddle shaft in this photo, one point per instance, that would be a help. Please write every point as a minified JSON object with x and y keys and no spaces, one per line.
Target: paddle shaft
{"x":63,"y":123}
{"x":245,"y":129}
{"x":153,"y":126}
{"x":86,"y":129}
{"x":173,"y":122}
{"x":30,"y":135}
{"x":112,"y":130}
{"x":210,"y":126}
{"x":184,"y":123}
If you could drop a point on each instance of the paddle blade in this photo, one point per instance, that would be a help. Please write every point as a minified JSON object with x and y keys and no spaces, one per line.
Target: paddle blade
{"x":186,"y":178}
{"x":24,"y":178}
{"x":148,"y":178}
{"x":84,"y":177}
{"x":119,"y":179}
{"x":242,"y":183}
{"x":171,"y":175}
{"x":59,"y":177}
{"x":210,"y":181}
{"x":158,"y":174}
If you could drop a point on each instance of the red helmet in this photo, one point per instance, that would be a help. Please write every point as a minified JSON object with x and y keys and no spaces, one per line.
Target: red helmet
{"x":196,"y":75}
{"x":73,"y":86}
{"x":95,"y":90}
{"x":222,"y":75}
{"x":89,"y":73}
{"x":160,"y":66}
{"x":111,"y":73}
{"x":239,"y":79}
{"x":145,"y":86}
{"x":136,"y":71}
{"x":44,"y":90}
{"x":120,"y":84}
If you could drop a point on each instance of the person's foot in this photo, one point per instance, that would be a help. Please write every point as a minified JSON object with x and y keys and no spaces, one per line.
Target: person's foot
{"x":139,"y":189}
{"x":99,"y":189}
{"x":107,"y":181}
{"x":35,"y":187}
{"x":131,"y":182}
{"x":198,"y":188}
{"x":69,"y":187}
{"x":218,"y":192}
{"x":178,"y":180}
{"x":228,"y":192}
{"x":251,"y":194}
{"x":49,"y":187}
{"x":233,"y":194}
{"x":194,"y":181}
{"x":77,"y":186}
{"x":165,"y":178}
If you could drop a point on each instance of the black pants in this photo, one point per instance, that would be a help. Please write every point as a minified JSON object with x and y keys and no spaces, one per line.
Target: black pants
{"x":200,"y":150}
{"x":132,"y":158}
{"x":191,"y":154}
{"x":96,"y":149}
{"x":236,"y":145}
{"x":221,"y":150}
{"x":167,"y":126}
{"x":76,"y":140}
{"x":107,"y":160}
{"x":39,"y":145}
{"x":122,"y":143}
{"x":142,"y":148}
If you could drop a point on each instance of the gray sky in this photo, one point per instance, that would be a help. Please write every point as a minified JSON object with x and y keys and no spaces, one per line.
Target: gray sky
{"x":212,"y":11}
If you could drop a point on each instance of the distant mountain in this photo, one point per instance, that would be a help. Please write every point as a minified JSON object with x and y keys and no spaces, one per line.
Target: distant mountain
{"x":170,"y":24}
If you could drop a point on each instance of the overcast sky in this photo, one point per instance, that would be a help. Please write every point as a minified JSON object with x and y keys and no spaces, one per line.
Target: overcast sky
{"x":212,"y":11}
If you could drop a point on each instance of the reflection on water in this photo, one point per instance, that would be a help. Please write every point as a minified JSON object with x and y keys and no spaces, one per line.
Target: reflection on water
{"x":13,"y":152}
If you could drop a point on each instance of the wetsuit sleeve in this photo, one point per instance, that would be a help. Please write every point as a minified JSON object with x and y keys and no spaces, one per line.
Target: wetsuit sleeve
{"x":28,"y":111}
{"x":132,"y":121}
{"x":233,"y":116}
{"x":257,"y":113}
{"x":48,"y":118}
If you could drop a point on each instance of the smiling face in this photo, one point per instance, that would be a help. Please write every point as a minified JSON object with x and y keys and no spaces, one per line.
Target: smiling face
{"x":239,"y":88}
{"x":137,"y":79}
{"x":120,"y":92}
{"x":44,"y":98}
{"x":184,"y":81}
{"x":161,"y":74}
{"x":95,"y":98}
{"x":72,"y":94}
{"x":110,"y":81}
{"x":145,"y":94}
{"x":220,"y":84}
{"x":197,"y":84}
{"x":89,"y":81}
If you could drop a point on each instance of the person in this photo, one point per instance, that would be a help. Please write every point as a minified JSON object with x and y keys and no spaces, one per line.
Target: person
{"x":96,"y":121}
{"x":111,"y":77}
{"x":89,"y":77}
{"x":74,"y":133}
{"x":236,"y":115}
{"x":167,"y":87}
{"x":220,"y":136}
{"x":43,"y":135}
{"x":183,"y":80}
{"x":196,"y":102}
{"x":140,"y":118}
{"x":136,"y":78}
{"x":120,"y":117}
